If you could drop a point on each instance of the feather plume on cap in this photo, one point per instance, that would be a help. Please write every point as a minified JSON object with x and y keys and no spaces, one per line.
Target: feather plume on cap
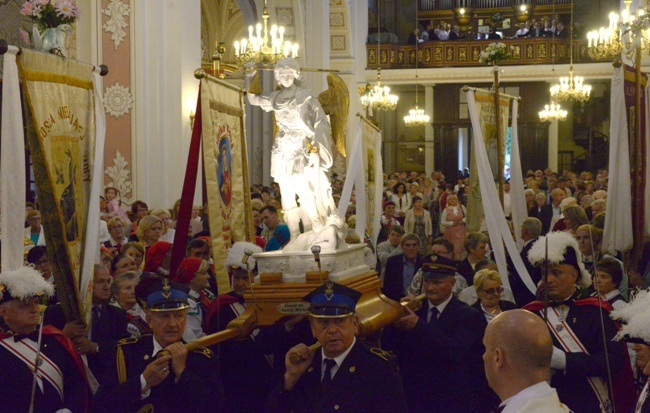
{"x":236,"y":254}
{"x":562,"y":249}
{"x":25,"y":282}
{"x":635,"y":317}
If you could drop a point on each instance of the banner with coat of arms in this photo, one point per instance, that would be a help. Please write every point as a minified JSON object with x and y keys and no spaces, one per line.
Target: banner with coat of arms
{"x":226,"y":171}
{"x":60,"y":99}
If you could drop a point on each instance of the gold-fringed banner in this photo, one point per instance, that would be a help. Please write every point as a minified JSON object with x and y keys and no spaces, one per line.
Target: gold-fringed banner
{"x":226,"y":171}
{"x":61,"y":134}
{"x":487,"y":117}
{"x":373,"y":176}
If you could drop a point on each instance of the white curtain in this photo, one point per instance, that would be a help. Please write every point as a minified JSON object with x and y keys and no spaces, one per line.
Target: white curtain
{"x":517,"y":197}
{"x":494,"y":218}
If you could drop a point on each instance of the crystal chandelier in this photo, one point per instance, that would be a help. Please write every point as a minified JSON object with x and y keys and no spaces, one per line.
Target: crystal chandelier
{"x":262,"y":48}
{"x":571,"y":88}
{"x":626,"y":33}
{"x":552,"y":112}
{"x":379,"y":97}
{"x":416,"y":116}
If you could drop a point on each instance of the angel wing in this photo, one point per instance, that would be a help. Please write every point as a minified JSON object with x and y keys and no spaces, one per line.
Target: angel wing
{"x":336,"y":103}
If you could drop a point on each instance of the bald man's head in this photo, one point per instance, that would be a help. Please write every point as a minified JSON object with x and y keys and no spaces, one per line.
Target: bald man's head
{"x":518,"y":349}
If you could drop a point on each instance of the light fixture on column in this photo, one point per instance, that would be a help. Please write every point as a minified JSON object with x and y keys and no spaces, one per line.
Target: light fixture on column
{"x":571,"y":88}
{"x":379,"y":97}
{"x":552,"y":112}
{"x":262,"y":49}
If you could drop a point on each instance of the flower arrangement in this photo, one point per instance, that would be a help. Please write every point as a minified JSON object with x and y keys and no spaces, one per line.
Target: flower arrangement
{"x":50,"y":13}
{"x":495,"y":53}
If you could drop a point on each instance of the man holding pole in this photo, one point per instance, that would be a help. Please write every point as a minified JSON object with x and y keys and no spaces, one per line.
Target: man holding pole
{"x":157,"y":372}
{"x":41,"y":370}
{"x":344,"y":375}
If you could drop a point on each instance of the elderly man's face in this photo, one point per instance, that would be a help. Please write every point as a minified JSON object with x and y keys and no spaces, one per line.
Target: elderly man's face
{"x":438,"y":290}
{"x":167,"y":326}
{"x":334,"y":334}
{"x":240,"y":282}
{"x":21,"y":316}
{"x":101,"y":286}
{"x":410,"y":248}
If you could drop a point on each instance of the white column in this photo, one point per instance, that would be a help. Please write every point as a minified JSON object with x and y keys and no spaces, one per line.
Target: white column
{"x":165,"y":52}
{"x":428,"y":132}
{"x":553,"y":146}
{"x":316,"y":50}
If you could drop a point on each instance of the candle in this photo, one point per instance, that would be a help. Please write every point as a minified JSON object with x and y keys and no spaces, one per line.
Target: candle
{"x":237,"y":48}
{"x":281,"y":34}
{"x":294,"y":50}
{"x":250,"y":32}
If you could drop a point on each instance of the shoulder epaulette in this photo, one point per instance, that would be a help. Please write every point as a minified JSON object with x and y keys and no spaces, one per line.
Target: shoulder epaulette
{"x":384,"y":355}
{"x":205,"y":351}
{"x":129,"y":340}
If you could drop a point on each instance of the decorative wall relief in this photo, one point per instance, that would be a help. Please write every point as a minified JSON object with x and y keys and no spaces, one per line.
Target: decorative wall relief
{"x":116,"y":23}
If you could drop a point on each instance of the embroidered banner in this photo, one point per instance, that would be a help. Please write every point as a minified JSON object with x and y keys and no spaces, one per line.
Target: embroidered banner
{"x":226,"y":171}
{"x":487,"y":124}
{"x":61,"y":134}
{"x":373,"y":173}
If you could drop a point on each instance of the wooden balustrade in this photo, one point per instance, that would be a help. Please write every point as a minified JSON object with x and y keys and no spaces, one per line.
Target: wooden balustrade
{"x":460,"y":53}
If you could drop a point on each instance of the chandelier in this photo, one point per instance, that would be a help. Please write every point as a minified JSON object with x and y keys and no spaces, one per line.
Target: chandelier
{"x":552,"y":112}
{"x":379,"y":97}
{"x":262,"y":48}
{"x":416,"y":116}
{"x":571,"y":88}
{"x":626,"y":33}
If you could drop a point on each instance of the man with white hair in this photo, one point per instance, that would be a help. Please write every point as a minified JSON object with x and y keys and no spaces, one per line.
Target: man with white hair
{"x":582,"y":357}
{"x":61,"y":384}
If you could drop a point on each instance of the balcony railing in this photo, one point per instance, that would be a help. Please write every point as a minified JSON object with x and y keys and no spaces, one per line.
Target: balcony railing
{"x":432,"y":5}
{"x":527,"y":51}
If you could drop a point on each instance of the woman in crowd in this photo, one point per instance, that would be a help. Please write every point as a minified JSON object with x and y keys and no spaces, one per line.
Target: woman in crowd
{"x":487,"y":284}
{"x":117,"y":230}
{"x":105,"y":257}
{"x":158,"y":258}
{"x":477,"y":247}
{"x":574,"y":217}
{"x":35,"y":230}
{"x":149,"y":230}
{"x":452,"y":223}
{"x":589,"y":242}
{"x":530,"y":199}
{"x":167,"y":233}
{"x":37,"y":258}
{"x":418,"y":221}
{"x":123,"y":291}
{"x":402,"y":201}
{"x":607,"y":281}
{"x":122,"y":263}
{"x":134,"y":250}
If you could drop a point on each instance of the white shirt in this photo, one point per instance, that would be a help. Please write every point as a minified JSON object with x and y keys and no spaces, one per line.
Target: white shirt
{"x":441,"y":307}
{"x":143,"y":383}
{"x":338,"y":360}
{"x":541,"y":392}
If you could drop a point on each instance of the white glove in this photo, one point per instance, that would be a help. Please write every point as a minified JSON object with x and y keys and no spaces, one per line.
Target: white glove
{"x":558,"y":360}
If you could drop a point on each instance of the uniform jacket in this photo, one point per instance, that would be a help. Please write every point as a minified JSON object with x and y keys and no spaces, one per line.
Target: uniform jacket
{"x":522,"y":294}
{"x":366,"y":382}
{"x":16,"y":378}
{"x":572,"y":386}
{"x":441,"y":363}
{"x":198,"y":389}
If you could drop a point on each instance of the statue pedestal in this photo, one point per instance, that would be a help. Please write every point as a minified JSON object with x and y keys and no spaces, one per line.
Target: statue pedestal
{"x":342,"y":263}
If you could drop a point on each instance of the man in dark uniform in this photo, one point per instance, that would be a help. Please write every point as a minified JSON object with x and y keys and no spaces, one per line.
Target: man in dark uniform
{"x":61,"y":379}
{"x":344,"y":375}
{"x":439,"y":349}
{"x":138,"y":377}
{"x":580,"y":352}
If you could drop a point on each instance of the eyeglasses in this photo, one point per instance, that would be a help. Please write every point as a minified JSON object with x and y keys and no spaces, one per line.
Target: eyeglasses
{"x":493,"y":291}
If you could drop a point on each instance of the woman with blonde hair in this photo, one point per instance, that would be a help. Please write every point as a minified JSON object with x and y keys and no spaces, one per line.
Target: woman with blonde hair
{"x":167,"y":233}
{"x":149,"y":230}
{"x":136,"y":251}
{"x":487,"y":284}
{"x":452,"y":223}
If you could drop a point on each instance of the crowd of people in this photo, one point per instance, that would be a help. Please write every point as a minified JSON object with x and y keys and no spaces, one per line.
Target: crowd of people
{"x":423,"y":248}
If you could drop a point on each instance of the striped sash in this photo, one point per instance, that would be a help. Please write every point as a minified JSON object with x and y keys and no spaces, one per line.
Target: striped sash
{"x":571,"y":343}
{"x":26,"y":351}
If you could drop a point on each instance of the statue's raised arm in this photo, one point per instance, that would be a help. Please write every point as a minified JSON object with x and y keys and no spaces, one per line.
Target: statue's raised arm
{"x":300,"y":160}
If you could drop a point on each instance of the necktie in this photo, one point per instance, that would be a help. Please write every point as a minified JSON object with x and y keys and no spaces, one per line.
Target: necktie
{"x":327,"y":375}
{"x":433,"y":315}
{"x":94,"y":321}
